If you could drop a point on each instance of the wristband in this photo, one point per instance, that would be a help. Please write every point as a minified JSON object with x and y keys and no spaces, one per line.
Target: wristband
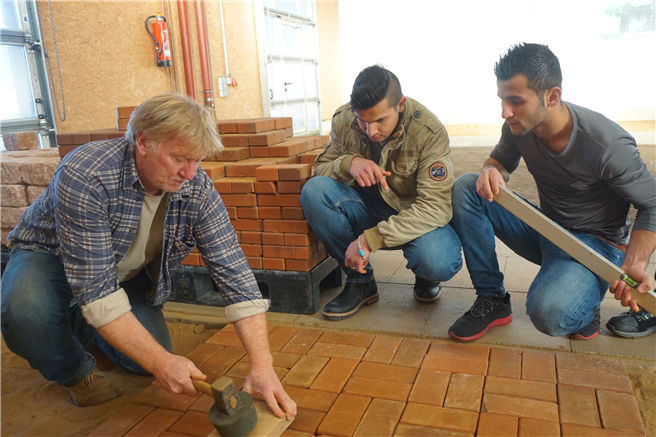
{"x":360,"y":251}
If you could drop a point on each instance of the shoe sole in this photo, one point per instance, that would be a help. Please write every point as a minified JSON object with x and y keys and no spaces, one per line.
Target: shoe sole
{"x":631,"y":334}
{"x":498,"y":322}
{"x":580,"y":337}
{"x":341,"y":316}
{"x":424,"y":300}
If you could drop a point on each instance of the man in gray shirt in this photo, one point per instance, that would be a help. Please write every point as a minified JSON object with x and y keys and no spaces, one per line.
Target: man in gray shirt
{"x":588,"y":172}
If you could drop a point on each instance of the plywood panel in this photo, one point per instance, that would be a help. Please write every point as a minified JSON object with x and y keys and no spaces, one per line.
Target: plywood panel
{"x":330,"y":60}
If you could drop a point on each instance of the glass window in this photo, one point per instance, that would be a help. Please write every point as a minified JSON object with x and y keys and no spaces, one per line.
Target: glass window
{"x":15,"y":85}
{"x":10,"y":17}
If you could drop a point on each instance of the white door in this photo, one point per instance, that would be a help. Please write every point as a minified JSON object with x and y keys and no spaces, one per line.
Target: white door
{"x":291,"y":63}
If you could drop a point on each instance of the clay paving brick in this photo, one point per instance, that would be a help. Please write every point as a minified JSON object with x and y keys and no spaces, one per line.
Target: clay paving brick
{"x":280,"y":200}
{"x":520,"y":407}
{"x":382,"y":349}
{"x":155,"y":423}
{"x":352,"y":338}
{"x":293,"y":213}
{"x":265,"y":187}
{"x":590,"y":364}
{"x":541,"y":391}
{"x":157,"y":396}
{"x":538,"y":366}
{"x":241,"y":370}
{"x":380,"y":419}
{"x":239,"y":199}
{"x":538,"y":428}
{"x":193,"y":423}
{"x":605,"y":381}
{"x":248,"y":237}
{"x":271,"y":213}
{"x":299,"y":239}
{"x":344,"y":416}
{"x":311,"y":399}
{"x":305,"y":265}
{"x":251,"y":250}
{"x":445,"y":418}
{"x":405,"y":430}
{"x":376,"y":388}
{"x":620,"y":411}
{"x":472,"y":351}
{"x":247,"y":225}
{"x":289,"y":252}
{"x":307,"y":421}
{"x":430,"y":387}
{"x":305,"y":371}
{"x":578,"y":405}
{"x":279,"y":336}
{"x":268,"y":172}
{"x":337,"y":351}
{"x":334,"y":376}
{"x":294,"y":172}
{"x":273,"y":264}
{"x":123,"y":421}
{"x":267,"y":138}
{"x":453,"y":364}
{"x":221,"y":362}
{"x":293,"y":433}
{"x":291,"y":187}
{"x":302,"y":341}
{"x":506,"y":363}
{"x":225,"y":339}
{"x":280,"y":359}
{"x":204,"y":403}
{"x":203,"y":353}
{"x":243,"y":185}
{"x":464,"y":392}
{"x":571,"y":430}
{"x":171,"y":434}
{"x":496,"y":425}
{"x":411,"y":352}
{"x":273,"y":238}
{"x":386,"y":372}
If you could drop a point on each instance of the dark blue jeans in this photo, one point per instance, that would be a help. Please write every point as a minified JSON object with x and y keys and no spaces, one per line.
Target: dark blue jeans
{"x":339,"y":213}
{"x":42,"y":323}
{"x":563,"y":295}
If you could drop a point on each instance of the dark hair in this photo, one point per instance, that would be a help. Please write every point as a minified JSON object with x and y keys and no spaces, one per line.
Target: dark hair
{"x":374,"y":84}
{"x":536,"y":61}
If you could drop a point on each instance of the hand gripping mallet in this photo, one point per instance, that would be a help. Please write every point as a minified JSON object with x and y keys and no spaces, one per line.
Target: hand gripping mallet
{"x":571,"y":245}
{"x":233,"y":413}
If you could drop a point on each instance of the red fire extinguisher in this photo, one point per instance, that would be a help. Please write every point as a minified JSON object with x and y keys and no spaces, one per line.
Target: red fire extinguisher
{"x":160,"y":35}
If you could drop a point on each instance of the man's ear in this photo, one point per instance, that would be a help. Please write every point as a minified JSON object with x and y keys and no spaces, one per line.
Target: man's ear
{"x":553,"y":97}
{"x":142,"y":144}
{"x":401,"y":106}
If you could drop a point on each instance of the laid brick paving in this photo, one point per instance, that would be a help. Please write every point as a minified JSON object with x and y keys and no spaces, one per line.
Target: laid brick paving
{"x":354,"y":384}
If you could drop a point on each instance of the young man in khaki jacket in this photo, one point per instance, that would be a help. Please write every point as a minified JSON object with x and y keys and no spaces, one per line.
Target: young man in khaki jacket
{"x":384,"y":181}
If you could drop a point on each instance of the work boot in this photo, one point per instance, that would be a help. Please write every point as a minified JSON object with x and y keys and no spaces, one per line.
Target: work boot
{"x":633,"y":325}
{"x":484,"y":314}
{"x":349,"y":301}
{"x":94,"y":389}
{"x":591,"y":330}
{"x":426,"y":291}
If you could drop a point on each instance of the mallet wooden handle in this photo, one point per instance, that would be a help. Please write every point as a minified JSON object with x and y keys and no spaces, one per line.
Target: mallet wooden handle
{"x":203,"y":387}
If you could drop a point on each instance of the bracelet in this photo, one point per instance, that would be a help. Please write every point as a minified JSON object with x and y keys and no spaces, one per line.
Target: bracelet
{"x":360,"y":251}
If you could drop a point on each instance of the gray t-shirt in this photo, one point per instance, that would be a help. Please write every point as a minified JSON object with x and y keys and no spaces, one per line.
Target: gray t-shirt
{"x":590,"y":185}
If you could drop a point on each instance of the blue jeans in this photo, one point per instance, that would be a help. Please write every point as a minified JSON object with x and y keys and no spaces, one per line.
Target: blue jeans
{"x":339,"y":213}
{"x":42,"y":323}
{"x":563,"y":295}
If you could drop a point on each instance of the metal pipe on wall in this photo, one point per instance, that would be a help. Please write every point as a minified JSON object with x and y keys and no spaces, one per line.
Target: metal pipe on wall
{"x":186,"y":49}
{"x":205,"y":68}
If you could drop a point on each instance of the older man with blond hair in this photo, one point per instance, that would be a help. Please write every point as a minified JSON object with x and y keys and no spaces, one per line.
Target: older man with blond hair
{"x":92,"y":258}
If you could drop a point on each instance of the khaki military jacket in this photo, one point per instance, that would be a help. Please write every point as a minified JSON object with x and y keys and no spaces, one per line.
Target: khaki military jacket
{"x":417,"y":154}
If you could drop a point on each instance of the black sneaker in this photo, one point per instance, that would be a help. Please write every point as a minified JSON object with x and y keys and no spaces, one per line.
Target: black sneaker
{"x":484,"y":314}
{"x":591,"y":330}
{"x":633,"y":325}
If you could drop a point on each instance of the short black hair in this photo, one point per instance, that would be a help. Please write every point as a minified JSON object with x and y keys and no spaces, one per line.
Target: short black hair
{"x":374,"y":84}
{"x":536,"y":61}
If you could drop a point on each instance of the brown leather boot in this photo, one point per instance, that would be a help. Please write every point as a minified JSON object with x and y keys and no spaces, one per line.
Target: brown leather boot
{"x":94,"y":389}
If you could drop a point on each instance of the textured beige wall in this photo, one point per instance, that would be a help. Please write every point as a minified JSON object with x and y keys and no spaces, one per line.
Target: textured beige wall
{"x":107,"y":59}
{"x":330,"y":61}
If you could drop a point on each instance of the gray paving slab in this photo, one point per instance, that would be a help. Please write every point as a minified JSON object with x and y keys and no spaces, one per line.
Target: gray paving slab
{"x":519,"y":274}
{"x":521,"y":332}
{"x":385,"y":263}
{"x":396,"y":312}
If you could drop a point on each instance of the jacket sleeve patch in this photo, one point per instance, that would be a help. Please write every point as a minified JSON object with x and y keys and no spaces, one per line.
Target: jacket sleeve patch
{"x":437,"y":172}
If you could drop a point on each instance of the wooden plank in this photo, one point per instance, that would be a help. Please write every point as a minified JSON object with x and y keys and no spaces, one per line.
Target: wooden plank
{"x":578,"y":250}
{"x":268,"y":425}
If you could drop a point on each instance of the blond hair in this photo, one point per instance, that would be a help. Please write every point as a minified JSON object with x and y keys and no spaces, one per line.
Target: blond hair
{"x":168,"y":117}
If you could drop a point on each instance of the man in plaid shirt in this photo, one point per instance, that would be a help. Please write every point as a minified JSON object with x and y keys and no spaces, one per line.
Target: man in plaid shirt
{"x":92,"y":258}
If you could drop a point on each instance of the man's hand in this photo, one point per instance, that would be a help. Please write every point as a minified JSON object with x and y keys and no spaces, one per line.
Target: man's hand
{"x":368,"y":173}
{"x":352,"y":258}
{"x":487,"y":185}
{"x":263,"y":379}
{"x":175,"y":373}
{"x":622,"y":290}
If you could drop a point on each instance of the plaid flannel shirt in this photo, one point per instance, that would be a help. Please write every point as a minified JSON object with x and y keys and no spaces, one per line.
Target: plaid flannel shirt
{"x":90,"y":212}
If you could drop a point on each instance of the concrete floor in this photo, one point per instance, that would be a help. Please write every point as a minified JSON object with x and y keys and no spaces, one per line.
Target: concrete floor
{"x":398,"y":313}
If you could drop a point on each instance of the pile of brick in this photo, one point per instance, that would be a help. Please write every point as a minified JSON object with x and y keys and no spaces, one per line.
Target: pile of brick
{"x":24,"y":175}
{"x":259,"y":175}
